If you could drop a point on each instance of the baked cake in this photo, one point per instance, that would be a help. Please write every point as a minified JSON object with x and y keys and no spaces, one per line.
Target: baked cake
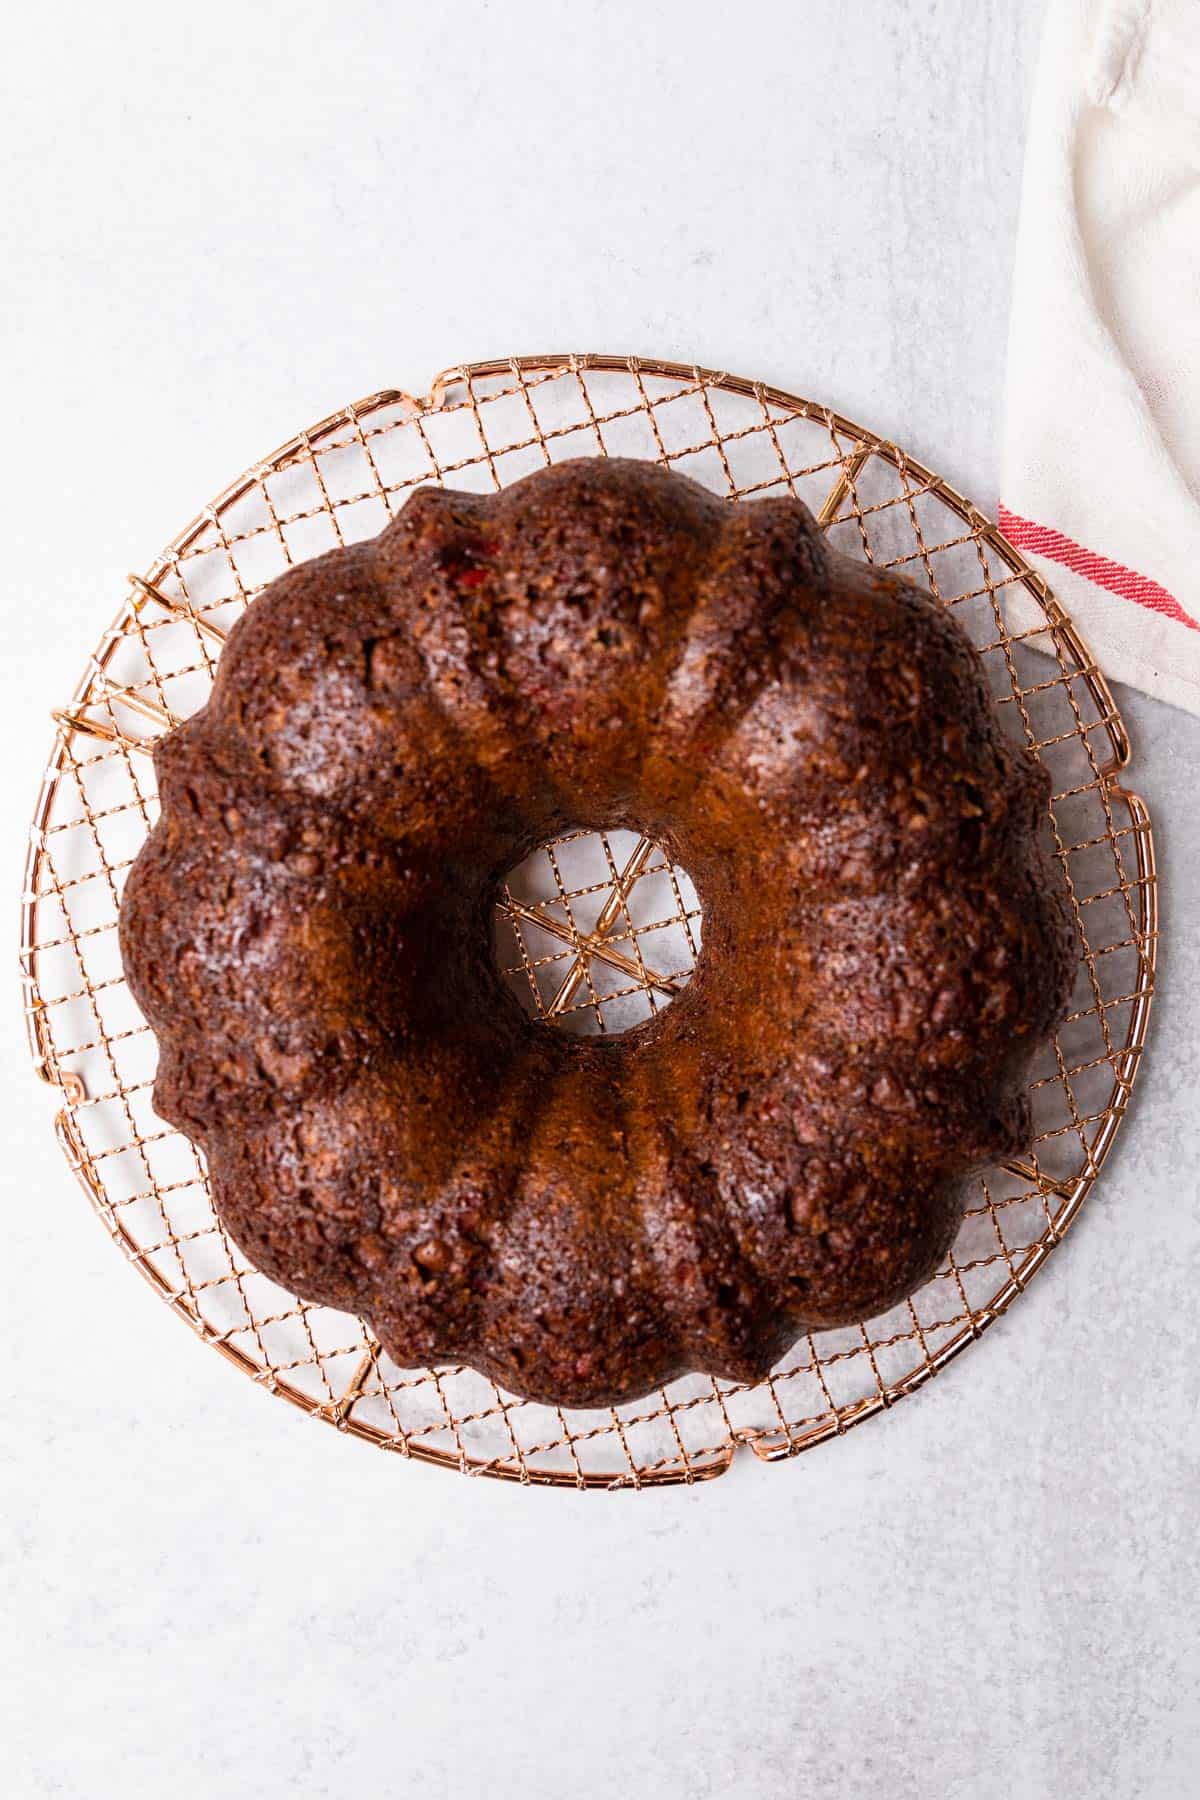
{"x":393,"y":727}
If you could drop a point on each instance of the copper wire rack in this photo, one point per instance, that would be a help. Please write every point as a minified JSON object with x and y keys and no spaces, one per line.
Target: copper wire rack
{"x":596,"y":931}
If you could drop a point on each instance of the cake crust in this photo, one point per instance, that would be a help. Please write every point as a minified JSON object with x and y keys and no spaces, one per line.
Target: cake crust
{"x":393,"y":727}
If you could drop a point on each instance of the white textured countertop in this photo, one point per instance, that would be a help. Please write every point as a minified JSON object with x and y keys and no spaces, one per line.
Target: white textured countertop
{"x":222,"y":223}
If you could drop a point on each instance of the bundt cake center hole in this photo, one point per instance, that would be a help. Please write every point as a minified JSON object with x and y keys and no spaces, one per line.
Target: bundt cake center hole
{"x":597,"y":931}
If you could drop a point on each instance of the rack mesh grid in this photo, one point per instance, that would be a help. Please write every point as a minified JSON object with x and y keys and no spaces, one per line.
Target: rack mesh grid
{"x":587,"y":957}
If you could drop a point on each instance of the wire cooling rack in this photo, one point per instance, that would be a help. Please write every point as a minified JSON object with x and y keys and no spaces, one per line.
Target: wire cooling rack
{"x":599,"y":932}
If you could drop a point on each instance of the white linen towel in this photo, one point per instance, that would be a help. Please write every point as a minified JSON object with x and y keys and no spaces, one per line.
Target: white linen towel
{"x":1101,"y":459}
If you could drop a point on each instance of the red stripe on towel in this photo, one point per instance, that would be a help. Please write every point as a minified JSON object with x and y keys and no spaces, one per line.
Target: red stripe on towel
{"x":1043,"y":540}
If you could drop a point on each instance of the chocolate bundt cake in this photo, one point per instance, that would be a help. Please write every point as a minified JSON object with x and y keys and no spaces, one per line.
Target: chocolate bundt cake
{"x":393,"y":727}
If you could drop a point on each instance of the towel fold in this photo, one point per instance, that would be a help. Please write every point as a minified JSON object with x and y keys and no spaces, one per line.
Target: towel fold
{"x":1101,"y":459}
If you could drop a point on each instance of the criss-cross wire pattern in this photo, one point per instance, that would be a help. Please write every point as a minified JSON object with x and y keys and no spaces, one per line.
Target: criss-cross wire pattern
{"x":480,"y":427}
{"x":601,"y":954}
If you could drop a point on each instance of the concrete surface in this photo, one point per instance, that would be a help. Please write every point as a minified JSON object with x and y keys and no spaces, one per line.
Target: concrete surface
{"x":222,"y":222}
